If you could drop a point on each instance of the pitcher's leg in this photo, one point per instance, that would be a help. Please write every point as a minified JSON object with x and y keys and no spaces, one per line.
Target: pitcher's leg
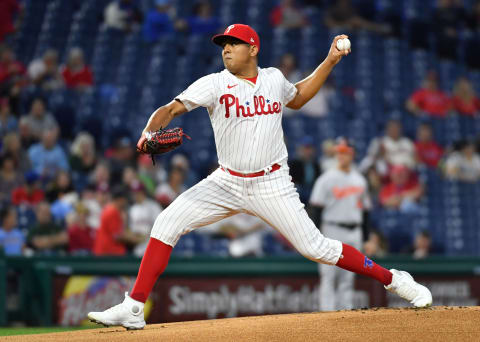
{"x":204,"y":203}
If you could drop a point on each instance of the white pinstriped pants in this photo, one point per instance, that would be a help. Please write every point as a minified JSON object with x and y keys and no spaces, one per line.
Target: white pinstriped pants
{"x":272,"y":197}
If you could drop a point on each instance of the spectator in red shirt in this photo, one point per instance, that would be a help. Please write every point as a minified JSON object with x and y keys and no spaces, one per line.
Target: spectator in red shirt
{"x":80,"y":234}
{"x":8,"y":8}
{"x":465,"y":100}
{"x":428,"y":151}
{"x":76,"y":74}
{"x":30,"y":193}
{"x":403,"y":190}
{"x":11,"y":70}
{"x":112,"y":236}
{"x":429,"y":99}
{"x":287,"y":15}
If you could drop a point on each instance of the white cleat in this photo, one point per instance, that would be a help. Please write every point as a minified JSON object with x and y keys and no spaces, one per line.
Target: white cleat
{"x":407,"y":288}
{"x":128,"y":314}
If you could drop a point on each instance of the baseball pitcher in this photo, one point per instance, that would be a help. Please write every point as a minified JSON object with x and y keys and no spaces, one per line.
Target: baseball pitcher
{"x":245,"y":105}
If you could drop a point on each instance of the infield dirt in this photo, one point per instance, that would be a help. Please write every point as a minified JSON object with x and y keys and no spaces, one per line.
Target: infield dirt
{"x":378,"y":324}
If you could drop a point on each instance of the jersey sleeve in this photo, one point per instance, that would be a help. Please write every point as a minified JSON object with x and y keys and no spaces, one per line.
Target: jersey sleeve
{"x":318,"y":197}
{"x":199,"y":94}
{"x":289,"y":91}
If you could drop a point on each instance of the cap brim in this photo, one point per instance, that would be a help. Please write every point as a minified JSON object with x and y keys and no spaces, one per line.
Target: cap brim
{"x":219,"y":38}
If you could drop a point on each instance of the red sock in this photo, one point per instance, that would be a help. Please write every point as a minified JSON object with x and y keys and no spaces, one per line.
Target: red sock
{"x":354,"y":261}
{"x":153,"y":264}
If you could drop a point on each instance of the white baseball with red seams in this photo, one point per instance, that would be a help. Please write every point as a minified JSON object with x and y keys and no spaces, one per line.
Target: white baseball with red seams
{"x":247,"y":122}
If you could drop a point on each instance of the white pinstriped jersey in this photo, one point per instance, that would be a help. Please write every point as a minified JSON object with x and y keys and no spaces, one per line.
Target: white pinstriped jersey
{"x":343,"y":195}
{"x":246,"y":117}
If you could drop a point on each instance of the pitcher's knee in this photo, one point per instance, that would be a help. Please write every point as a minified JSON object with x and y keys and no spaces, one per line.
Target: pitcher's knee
{"x":168,"y":227}
{"x":324,"y":251}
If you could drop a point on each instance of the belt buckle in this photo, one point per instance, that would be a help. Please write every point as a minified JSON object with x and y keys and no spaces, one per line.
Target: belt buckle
{"x":267,"y":170}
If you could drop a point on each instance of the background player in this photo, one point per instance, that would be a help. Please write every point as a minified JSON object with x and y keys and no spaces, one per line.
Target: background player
{"x":245,"y":105}
{"x":339,"y":201}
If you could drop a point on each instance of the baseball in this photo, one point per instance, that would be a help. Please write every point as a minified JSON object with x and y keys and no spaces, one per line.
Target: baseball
{"x":343,"y":44}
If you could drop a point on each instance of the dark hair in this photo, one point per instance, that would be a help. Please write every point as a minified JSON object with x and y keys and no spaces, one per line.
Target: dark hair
{"x":119,"y":191}
{"x":5,"y":211}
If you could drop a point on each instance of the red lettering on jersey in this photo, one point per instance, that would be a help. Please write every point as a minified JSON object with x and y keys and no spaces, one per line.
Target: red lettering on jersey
{"x":229,"y":100}
{"x":259,"y":106}
{"x":346,"y":191}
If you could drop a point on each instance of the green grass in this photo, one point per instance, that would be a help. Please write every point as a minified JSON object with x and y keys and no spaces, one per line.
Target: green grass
{"x":38,"y":330}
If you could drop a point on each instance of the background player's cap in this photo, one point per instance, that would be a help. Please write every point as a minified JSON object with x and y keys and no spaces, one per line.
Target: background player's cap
{"x":344,"y":145}
{"x":240,"y":31}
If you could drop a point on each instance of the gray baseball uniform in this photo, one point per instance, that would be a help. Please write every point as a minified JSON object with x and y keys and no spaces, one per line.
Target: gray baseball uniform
{"x":343,"y":196}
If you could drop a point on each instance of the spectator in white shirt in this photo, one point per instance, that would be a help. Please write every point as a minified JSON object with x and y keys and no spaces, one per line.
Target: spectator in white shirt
{"x":464,"y":164}
{"x":391,"y":149}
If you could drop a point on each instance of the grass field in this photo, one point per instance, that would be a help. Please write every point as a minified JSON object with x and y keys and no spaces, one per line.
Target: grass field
{"x":38,"y":330}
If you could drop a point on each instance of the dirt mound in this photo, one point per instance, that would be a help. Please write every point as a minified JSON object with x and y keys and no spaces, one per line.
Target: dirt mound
{"x":379,"y":324}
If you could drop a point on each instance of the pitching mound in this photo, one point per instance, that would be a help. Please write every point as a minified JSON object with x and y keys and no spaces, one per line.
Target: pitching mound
{"x":432,"y":324}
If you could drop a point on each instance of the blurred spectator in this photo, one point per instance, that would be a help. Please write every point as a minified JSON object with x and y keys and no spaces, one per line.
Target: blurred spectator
{"x":129,"y":176}
{"x":39,"y":119}
{"x":318,"y":106}
{"x":11,"y":238}
{"x":448,"y":19}
{"x":287,"y":15}
{"x":150,"y":175}
{"x":464,"y":163}
{"x":30,"y":192}
{"x":245,"y":234}
{"x":181,"y":161}
{"x":288,"y":66}
{"x":376,"y":245}
{"x":304,"y":169}
{"x":121,"y":15}
{"x":112,"y":237}
{"x":101,"y":175}
{"x":44,"y":72}
{"x":121,"y":157}
{"x":82,"y":159}
{"x":203,"y":21}
{"x":391,"y":149}
{"x":8,"y":123}
{"x":167,"y":192}
{"x":158,"y":21}
{"x":465,"y":101}
{"x":76,"y":74}
{"x":341,"y":14}
{"x":25,"y":132}
{"x":12,"y":72}
{"x":328,"y":160}
{"x":80,"y":234}
{"x":402,"y":192}
{"x":13,"y":146}
{"x":95,"y":198}
{"x":142,"y":216}
{"x":428,"y":151}
{"x":46,"y":236}
{"x":8,"y":9}
{"x":429,"y":99}
{"x":61,"y":194}
{"x":10,"y":178}
{"x":47,"y":157}
{"x":422,"y":245}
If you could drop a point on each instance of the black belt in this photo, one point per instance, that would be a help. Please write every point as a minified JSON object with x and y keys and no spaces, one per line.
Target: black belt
{"x":351,"y":225}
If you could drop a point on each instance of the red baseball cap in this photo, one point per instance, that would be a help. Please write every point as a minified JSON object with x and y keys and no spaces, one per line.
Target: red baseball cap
{"x":240,"y":31}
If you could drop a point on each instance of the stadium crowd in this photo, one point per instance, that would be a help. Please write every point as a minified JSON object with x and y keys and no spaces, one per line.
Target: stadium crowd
{"x":66,"y":192}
